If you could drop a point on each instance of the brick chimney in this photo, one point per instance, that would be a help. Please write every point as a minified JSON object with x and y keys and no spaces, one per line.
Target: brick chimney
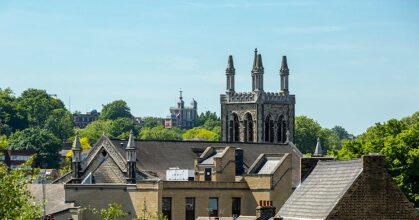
{"x":373,"y":163}
{"x":265,"y":210}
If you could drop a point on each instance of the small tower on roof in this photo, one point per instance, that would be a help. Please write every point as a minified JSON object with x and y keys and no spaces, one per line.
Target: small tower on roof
{"x":131,"y":154}
{"x":76,"y":158}
{"x":318,"y":152}
{"x":284,"y":73}
{"x":230,"y":72}
{"x":257,"y":72}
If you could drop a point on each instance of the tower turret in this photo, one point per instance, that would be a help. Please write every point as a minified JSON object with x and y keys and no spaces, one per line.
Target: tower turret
{"x":230,"y":72}
{"x":76,"y":158}
{"x":257,"y":73}
{"x":284,"y":73}
{"x":131,"y":154}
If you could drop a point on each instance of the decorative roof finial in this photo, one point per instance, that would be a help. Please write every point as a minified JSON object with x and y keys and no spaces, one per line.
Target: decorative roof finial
{"x":254,"y":60}
{"x":131,"y":141}
{"x":76,"y":143}
{"x":318,"y":152}
{"x":230,"y":65}
{"x":284,"y":64}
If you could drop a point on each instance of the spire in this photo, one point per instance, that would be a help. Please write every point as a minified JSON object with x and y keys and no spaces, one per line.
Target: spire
{"x":318,"y":152}
{"x":230,"y":65}
{"x":259,"y":63}
{"x":76,"y":143}
{"x":284,"y":65}
{"x":131,"y":142}
{"x":255,"y":59}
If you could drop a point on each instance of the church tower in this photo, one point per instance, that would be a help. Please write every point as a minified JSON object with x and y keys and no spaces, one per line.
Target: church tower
{"x":257,"y":116}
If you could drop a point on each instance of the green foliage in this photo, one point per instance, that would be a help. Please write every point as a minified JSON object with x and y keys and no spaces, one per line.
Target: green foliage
{"x":3,"y":142}
{"x":161,"y":133}
{"x":94,"y":130}
{"x":38,"y":105}
{"x":114,"y":110}
{"x":60,"y":123}
{"x":15,"y":198}
{"x":150,"y":122}
{"x":113,"y":212}
{"x":121,"y":127}
{"x":12,"y":116}
{"x":398,"y":140}
{"x":43,"y":142}
{"x":203,"y":117}
{"x":200,"y":134}
{"x":308,"y":130}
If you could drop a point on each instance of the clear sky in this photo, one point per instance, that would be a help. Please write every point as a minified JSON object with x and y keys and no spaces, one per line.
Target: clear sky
{"x":352,"y":63}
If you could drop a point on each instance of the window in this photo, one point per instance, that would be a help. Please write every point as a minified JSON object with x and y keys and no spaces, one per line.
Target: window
{"x":213,"y":207}
{"x":248,"y":123}
{"x":236,"y":204}
{"x":19,"y":157}
{"x":167,"y":207}
{"x":190,"y":208}
{"x":207,"y":174}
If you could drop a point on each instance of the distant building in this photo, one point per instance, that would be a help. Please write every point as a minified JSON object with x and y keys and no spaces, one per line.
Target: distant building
{"x":257,"y":116}
{"x":14,"y":158}
{"x":82,"y":120}
{"x":182,"y":116}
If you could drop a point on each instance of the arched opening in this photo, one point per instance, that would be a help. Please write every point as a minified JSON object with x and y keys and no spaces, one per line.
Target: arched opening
{"x":269,"y":129}
{"x":282,"y":129}
{"x":234,"y":128}
{"x":248,"y":128}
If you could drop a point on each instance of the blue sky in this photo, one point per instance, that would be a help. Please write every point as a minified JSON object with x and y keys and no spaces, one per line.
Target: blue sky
{"x":352,"y":63}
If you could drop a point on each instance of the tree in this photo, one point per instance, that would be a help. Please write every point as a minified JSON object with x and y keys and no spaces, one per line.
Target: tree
{"x":150,"y":122}
{"x":341,"y":133}
{"x":121,"y":127}
{"x":12,"y":117}
{"x":3,"y":142}
{"x":114,"y":110}
{"x":38,"y":105}
{"x":94,"y":130}
{"x":85,"y":145}
{"x":161,"y":133}
{"x":112,"y":212}
{"x":15,"y":198}
{"x":60,"y":123}
{"x":307,"y":131}
{"x":203,"y":117}
{"x":398,"y":140}
{"x":41,"y":141}
{"x":200,"y":134}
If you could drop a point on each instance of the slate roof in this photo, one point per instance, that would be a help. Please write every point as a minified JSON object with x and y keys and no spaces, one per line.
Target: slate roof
{"x":158,"y":156}
{"x":322,"y":190}
{"x":54,"y":195}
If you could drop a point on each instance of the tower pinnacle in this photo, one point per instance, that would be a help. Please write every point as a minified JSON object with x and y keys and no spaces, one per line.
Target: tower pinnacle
{"x":230,"y":65}
{"x":284,"y":64}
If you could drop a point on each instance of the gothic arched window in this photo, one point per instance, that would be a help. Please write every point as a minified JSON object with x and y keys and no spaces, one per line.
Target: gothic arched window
{"x":234,"y":128}
{"x":269,"y":129}
{"x":282,"y":129}
{"x":248,"y":128}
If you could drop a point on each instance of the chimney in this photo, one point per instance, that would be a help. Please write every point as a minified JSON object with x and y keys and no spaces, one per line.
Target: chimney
{"x":373,"y":163}
{"x":239,"y":162}
{"x":265,"y":210}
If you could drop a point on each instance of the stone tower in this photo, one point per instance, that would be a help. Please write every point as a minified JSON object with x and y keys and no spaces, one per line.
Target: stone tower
{"x":257,"y":116}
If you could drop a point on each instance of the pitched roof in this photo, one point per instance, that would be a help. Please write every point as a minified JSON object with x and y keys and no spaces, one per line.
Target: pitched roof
{"x":322,"y":189}
{"x":54,"y":194}
{"x":159,"y":156}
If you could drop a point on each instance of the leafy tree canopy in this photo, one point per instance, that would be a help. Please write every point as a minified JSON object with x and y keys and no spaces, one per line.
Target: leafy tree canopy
{"x":121,"y":127}
{"x":161,"y":133}
{"x":398,"y":140}
{"x":60,"y":123}
{"x":43,"y":142}
{"x":203,"y":117}
{"x":16,"y":200}
{"x":38,"y":105}
{"x":12,"y":116}
{"x":114,"y":110}
{"x":94,"y":130}
{"x":150,"y":122}
{"x":200,"y":134}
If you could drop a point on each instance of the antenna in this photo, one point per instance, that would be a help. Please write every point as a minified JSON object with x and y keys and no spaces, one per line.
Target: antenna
{"x":180,"y":94}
